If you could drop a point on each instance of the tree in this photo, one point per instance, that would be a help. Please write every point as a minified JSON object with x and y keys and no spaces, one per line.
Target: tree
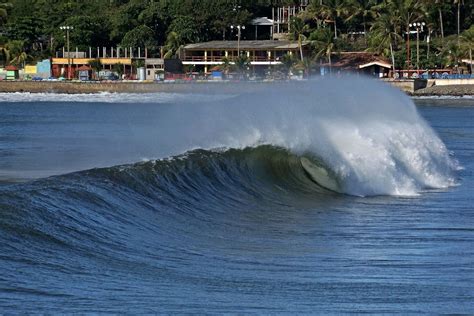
{"x":16,"y":52}
{"x":439,"y":5}
{"x":452,"y":54}
{"x":383,"y":36}
{"x":242,"y":65}
{"x":4,"y":7}
{"x":329,"y":11}
{"x":467,"y":43}
{"x":118,"y":69}
{"x":154,"y":23}
{"x":5,"y":55}
{"x":137,"y":63}
{"x":173,"y":44}
{"x":297,"y":30}
{"x":126,"y":18}
{"x":141,"y":36}
{"x":288,"y":61}
{"x":324,"y":44}
{"x":88,"y":32}
{"x":153,"y":16}
{"x":25,"y":28}
{"x":305,"y":66}
{"x":226,"y":65}
{"x":185,"y":29}
{"x":96,"y":66}
{"x":366,"y":9}
{"x":459,"y":3}
{"x":402,"y":13}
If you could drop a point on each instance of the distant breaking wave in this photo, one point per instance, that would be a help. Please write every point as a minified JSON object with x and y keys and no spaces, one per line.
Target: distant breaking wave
{"x":107,"y":97}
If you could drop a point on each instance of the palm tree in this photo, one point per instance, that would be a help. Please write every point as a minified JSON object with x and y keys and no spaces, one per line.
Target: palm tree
{"x":324,"y":44}
{"x":4,"y":11}
{"x":383,"y":35}
{"x":305,"y":65}
{"x":288,"y":61}
{"x":459,"y":3}
{"x":242,"y":64}
{"x":402,"y":13}
{"x":96,"y":66}
{"x":362,"y":8}
{"x":5,"y":53}
{"x":467,"y":42}
{"x":439,"y":4}
{"x":20,"y":59}
{"x":226,"y":65}
{"x":329,"y":11}
{"x":16,"y":52}
{"x":297,"y":30}
{"x":173,"y":44}
{"x":118,"y":69}
{"x":452,"y":54}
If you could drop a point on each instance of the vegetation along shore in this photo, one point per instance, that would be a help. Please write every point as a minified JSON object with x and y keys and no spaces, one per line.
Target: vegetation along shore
{"x":160,"y":40}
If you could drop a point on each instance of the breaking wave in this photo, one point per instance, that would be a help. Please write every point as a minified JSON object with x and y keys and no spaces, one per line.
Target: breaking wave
{"x":163,"y":230}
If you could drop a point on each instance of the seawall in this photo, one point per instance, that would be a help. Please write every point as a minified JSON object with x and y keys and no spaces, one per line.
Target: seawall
{"x":412,"y":87}
{"x":129,"y":87}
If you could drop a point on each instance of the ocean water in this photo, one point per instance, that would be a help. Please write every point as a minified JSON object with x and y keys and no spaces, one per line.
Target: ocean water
{"x":320,"y":197}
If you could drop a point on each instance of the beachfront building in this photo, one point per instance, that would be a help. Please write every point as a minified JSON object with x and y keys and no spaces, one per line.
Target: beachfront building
{"x":364,"y":63}
{"x":12,"y":73}
{"x":264,"y":24}
{"x":262,"y":55}
{"x":69,"y":65}
{"x":282,"y":15}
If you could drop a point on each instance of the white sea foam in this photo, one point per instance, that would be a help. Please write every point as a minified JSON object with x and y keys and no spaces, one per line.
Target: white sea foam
{"x":107,"y":97}
{"x":369,"y":134}
{"x":444,"y":97}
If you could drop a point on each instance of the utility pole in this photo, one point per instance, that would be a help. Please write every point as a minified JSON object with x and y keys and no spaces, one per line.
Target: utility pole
{"x":418,"y":26}
{"x":67,"y":29}
{"x":239,"y":28}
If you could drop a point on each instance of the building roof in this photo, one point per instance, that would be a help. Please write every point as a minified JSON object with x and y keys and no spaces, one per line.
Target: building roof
{"x":262,"y":21}
{"x":359,"y":60}
{"x":84,"y":68}
{"x":376,"y":63}
{"x":244,"y":45}
{"x":468,"y":61}
{"x":154,"y":61}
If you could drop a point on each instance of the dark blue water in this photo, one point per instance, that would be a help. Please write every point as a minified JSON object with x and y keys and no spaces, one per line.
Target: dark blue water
{"x":233,"y":230}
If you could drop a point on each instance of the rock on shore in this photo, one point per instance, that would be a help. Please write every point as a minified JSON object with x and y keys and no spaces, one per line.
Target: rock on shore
{"x":451,"y":90}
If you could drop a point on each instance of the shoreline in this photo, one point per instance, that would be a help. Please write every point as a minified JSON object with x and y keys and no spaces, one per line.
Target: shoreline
{"x":459,"y":90}
{"x":61,"y":87}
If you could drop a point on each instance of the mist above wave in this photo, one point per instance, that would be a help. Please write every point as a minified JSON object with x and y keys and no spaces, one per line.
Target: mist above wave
{"x":368,"y":135}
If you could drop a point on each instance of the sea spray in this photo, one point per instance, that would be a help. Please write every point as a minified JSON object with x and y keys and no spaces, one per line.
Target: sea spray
{"x":367,"y":135}
{"x":244,"y":229}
